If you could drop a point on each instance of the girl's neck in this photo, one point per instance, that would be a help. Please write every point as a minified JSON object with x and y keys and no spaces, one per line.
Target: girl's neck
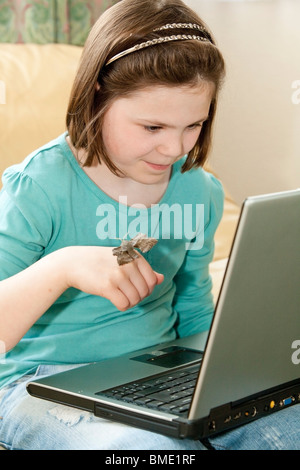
{"x":115,"y":186}
{"x":136,"y":193}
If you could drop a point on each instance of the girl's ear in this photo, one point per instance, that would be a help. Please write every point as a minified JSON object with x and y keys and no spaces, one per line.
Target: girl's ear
{"x":97,"y":86}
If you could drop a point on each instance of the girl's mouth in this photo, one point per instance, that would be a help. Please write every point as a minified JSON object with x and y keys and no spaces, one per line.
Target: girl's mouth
{"x":158,"y":167}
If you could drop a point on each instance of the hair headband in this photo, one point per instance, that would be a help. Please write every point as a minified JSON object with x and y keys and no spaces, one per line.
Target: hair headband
{"x":177,"y":37}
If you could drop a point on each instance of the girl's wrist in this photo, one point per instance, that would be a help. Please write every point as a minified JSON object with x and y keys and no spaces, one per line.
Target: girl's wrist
{"x":59,"y":264}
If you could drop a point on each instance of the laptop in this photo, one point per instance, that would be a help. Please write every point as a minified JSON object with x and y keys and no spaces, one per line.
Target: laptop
{"x":246,"y":367}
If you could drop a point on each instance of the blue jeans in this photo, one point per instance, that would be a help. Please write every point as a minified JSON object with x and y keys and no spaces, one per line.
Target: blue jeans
{"x":29,"y":423}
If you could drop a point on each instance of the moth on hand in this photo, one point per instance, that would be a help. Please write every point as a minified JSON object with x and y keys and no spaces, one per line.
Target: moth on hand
{"x":126,"y":251}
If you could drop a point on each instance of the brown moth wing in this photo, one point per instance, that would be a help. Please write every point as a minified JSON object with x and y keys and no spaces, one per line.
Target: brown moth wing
{"x":124,"y":256}
{"x":143,"y":243}
{"x":125,"y":252}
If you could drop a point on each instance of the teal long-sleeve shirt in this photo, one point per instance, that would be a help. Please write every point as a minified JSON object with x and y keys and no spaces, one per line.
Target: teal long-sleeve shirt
{"x":48,"y":202}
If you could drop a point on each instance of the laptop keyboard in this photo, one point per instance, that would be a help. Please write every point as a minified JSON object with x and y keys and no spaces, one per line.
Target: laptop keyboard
{"x":171,"y":392}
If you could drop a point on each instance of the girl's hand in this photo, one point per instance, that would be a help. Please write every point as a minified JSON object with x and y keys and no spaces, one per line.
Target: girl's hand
{"x":95,"y":270}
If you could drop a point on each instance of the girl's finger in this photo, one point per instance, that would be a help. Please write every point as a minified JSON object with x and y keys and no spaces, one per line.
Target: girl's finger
{"x":130,"y":290}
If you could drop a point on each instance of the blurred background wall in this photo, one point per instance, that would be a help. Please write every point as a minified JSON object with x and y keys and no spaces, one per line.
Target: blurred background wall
{"x":257,"y":137}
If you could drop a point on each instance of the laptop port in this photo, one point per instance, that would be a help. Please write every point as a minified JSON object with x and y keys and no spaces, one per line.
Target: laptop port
{"x":212,"y":425}
{"x":286,"y":401}
{"x":252,"y":412}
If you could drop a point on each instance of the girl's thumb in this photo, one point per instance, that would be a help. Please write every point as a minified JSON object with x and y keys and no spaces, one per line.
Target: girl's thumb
{"x":160,"y":277}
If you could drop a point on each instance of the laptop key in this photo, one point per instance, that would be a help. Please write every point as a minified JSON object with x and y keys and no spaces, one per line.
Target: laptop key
{"x":130,"y":397}
{"x":142,"y":400}
{"x":179,"y":410}
{"x":154,"y":404}
{"x":167,"y":407}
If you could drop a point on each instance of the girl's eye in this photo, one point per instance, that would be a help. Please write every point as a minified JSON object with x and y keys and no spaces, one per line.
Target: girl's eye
{"x":152,"y":128}
{"x":194,"y":126}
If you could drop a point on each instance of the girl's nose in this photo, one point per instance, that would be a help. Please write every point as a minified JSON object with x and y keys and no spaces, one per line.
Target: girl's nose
{"x":172,"y":147}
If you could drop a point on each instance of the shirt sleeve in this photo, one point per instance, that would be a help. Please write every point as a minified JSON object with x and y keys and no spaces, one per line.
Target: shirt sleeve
{"x":25,"y":222}
{"x":193,"y":301}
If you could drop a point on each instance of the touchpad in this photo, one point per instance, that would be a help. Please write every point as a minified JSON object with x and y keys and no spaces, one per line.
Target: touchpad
{"x":172,"y":356}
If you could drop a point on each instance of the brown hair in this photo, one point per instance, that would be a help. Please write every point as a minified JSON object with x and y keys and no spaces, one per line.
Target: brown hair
{"x":177,"y":63}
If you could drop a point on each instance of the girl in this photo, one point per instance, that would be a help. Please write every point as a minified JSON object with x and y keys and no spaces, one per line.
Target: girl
{"x":138,"y":133}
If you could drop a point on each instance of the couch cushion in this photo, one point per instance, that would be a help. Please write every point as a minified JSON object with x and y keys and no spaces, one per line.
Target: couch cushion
{"x":37,"y":80}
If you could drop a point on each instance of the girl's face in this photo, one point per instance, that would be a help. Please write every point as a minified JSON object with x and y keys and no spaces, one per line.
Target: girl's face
{"x":146,"y":132}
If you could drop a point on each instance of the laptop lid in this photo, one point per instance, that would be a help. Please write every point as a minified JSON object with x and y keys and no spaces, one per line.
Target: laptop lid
{"x":249,"y":352}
